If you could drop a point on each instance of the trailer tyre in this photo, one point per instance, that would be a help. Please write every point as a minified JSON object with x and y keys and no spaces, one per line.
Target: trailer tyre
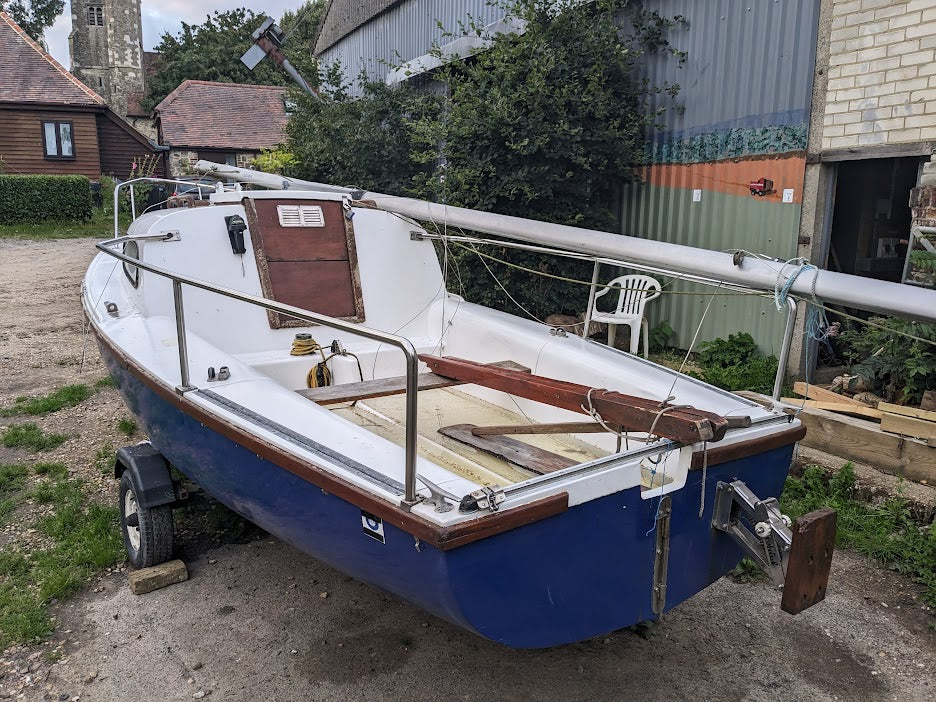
{"x":147,"y":531}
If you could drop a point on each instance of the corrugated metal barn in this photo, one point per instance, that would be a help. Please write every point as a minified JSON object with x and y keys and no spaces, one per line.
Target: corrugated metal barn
{"x":745,"y":91}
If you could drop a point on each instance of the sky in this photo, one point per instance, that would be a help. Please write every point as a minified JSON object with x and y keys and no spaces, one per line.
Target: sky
{"x":161,"y":16}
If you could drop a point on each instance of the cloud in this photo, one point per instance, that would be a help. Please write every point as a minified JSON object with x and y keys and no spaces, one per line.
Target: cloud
{"x":166,"y":16}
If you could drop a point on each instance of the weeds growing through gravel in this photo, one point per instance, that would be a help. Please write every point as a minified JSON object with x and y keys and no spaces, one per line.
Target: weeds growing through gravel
{"x":30,"y":436}
{"x":12,"y":479}
{"x":104,"y":460}
{"x":68,"y":396}
{"x":105,"y":382}
{"x":127,"y":426}
{"x":84,"y":539}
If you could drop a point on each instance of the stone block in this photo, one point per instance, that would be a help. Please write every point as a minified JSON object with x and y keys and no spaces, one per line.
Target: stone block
{"x":159,"y":576}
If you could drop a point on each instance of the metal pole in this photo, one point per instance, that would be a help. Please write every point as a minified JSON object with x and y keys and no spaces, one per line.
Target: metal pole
{"x":591,"y":300}
{"x":785,"y":347}
{"x":749,"y":271}
{"x":180,"y":336}
{"x":412,"y":387}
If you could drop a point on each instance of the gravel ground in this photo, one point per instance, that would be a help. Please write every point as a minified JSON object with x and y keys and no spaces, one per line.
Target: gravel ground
{"x":260,"y":621}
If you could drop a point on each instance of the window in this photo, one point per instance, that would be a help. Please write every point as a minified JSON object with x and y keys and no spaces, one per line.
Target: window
{"x":131,"y":249}
{"x":57,"y":138}
{"x":95,"y":16}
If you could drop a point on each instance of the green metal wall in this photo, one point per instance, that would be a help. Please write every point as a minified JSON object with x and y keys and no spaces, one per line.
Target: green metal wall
{"x":719,"y":222}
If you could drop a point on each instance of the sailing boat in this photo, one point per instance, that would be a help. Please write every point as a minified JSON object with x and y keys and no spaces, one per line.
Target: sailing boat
{"x":295,"y":354}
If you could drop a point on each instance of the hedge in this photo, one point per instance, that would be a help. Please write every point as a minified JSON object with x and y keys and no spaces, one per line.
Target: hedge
{"x":37,"y":198}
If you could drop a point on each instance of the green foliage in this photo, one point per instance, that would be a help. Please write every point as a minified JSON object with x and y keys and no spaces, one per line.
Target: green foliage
{"x":886,"y":532}
{"x":897,"y":368}
{"x":366,"y":142}
{"x":736,"y":364}
{"x":105,"y":382}
{"x":84,"y":539}
{"x":39,"y":198}
{"x":659,"y":335}
{"x":544,"y":125}
{"x":104,"y":460}
{"x":300,"y":28}
{"x":212,"y":50}
{"x":53,"y":470}
{"x":68,"y":396}
{"x":12,"y":478}
{"x":31,"y":437}
{"x":34,"y":16}
{"x":279,"y":161}
{"x":127,"y":427}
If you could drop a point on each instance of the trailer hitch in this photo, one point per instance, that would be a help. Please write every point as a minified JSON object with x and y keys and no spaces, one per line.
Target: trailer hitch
{"x":796,"y":556}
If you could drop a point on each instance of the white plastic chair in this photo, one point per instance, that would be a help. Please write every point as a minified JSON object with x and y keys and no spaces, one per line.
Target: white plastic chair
{"x":635,"y":292}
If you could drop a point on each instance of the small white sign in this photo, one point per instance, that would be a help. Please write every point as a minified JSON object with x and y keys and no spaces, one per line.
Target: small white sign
{"x":373,"y":526}
{"x":788,"y":194}
{"x":697,"y":196}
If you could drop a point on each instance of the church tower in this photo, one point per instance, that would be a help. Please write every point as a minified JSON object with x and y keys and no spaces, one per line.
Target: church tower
{"x":106,"y":48}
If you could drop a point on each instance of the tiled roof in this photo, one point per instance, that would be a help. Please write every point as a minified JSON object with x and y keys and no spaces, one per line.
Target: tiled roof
{"x":202,"y":114}
{"x":29,"y":74}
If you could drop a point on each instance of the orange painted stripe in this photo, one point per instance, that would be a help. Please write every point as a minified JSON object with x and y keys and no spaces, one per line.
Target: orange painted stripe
{"x":732,"y":177}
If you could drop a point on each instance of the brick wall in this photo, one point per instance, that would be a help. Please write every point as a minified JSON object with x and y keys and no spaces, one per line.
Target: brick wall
{"x":882,"y":73}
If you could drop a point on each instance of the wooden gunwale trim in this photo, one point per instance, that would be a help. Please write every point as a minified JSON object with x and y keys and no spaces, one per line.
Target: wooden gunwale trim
{"x":498,"y":522}
{"x":443,"y":538}
{"x":723,"y":454}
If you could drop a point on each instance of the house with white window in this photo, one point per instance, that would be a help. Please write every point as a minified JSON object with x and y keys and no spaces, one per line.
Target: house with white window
{"x":51,"y":122}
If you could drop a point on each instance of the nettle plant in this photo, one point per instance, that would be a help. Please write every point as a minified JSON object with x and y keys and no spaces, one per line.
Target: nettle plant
{"x":546,"y":124}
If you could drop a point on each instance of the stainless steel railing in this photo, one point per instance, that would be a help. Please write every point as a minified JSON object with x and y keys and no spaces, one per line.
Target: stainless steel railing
{"x":400,"y":342}
{"x":128,"y":184}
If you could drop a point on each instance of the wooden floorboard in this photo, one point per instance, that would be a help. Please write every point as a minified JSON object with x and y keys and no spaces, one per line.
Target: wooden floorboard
{"x":517,"y":452}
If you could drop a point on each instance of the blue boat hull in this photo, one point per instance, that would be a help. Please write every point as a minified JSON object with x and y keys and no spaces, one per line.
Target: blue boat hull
{"x":568,"y":577}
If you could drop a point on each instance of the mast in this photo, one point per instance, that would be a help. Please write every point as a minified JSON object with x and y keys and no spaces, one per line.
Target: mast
{"x":750,"y":271}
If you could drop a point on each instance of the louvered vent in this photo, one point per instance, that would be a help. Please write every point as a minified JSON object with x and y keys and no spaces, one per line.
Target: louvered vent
{"x":300,"y":216}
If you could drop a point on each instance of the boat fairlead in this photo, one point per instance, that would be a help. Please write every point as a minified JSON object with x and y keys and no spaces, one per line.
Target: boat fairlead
{"x":797,"y":560}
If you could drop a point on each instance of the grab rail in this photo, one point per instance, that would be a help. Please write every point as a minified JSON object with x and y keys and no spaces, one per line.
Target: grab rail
{"x":400,"y":342}
{"x":130,"y":183}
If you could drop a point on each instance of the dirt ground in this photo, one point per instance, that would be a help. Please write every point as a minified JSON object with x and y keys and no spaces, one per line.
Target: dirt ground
{"x":259,"y":621}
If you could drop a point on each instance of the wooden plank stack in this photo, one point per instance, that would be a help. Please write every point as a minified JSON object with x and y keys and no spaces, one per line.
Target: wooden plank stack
{"x":906,"y":421}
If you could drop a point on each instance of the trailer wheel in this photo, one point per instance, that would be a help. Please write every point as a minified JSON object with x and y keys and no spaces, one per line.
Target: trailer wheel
{"x":147,"y":531}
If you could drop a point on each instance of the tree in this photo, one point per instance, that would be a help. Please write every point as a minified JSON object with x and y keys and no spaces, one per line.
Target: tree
{"x":546,"y":124}
{"x":299,"y":30}
{"x":34,"y":16}
{"x":212,"y":51}
{"x":366,"y":142}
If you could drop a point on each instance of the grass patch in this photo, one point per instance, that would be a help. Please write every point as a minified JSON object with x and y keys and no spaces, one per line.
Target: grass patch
{"x":68,"y":396}
{"x":12,"y":478}
{"x":56,"y":471}
{"x":104,"y":460}
{"x":85,"y":539}
{"x":127,"y":426}
{"x":100,"y":226}
{"x":30,"y":436}
{"x":886,"y":532}
{"x":105,"y":382}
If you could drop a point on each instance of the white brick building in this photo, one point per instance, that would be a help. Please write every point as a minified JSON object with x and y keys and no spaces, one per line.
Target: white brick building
{"x":881,"y":73}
